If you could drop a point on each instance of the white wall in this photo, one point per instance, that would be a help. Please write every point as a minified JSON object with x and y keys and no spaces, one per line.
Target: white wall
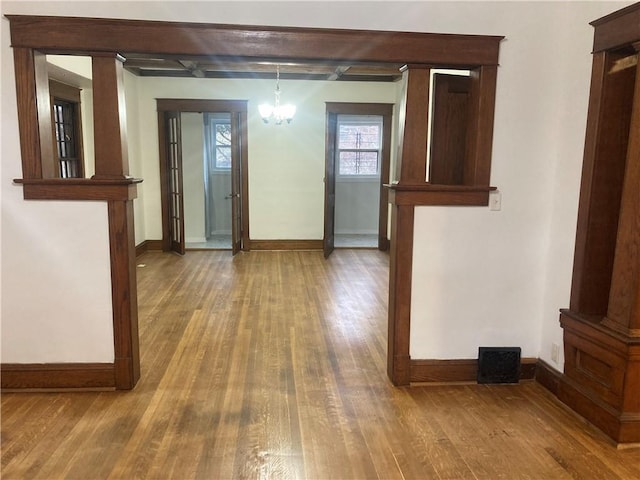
{"x":56,"y":281}
{"x":131,"y":88}
{"x":480,"y":277}
{"x":499,"y":278}
{"x":286,"y":162}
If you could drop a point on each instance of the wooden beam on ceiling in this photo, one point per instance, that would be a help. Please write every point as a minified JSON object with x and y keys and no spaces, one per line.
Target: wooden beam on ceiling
{"x":237,"y":68}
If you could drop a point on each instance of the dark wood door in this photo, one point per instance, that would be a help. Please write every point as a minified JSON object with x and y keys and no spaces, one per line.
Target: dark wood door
{"x":451,"y":95}
{"x":236,"y":183}
{"x":173,"y":145}
{"x":330,"y":184}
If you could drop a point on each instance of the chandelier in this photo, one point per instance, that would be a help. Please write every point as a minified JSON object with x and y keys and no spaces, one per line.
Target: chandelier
{"x":276,"y":112}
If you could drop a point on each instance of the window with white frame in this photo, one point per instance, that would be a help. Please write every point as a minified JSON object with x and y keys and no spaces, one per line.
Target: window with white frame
{"x":218,"y":140}
{"x":359,"y":145}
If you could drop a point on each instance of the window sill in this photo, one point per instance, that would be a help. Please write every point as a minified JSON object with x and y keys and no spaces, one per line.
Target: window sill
{"x":430,"y":194}
{"x":79,"y":188}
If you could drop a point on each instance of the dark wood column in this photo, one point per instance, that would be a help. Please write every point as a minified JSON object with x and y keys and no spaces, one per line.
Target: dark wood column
{"x":109,"y":113}
{"x":413,"y":189}
{"x":411,"y":166}
{"x":411,"y":169}
{"x":112,"y":163}
{"x":477,"y":168}
{"x":124,"y":294}
{"x":601,"y":378}
{"x":34,"y":114}
{"x":623,"y":313}
{"x":400,"y":267}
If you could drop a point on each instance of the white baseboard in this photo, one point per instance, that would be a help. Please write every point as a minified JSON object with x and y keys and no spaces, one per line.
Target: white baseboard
{"x":221,"y":232}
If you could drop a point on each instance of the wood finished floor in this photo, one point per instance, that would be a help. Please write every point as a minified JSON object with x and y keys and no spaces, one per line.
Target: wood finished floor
{"x":272,"y":365}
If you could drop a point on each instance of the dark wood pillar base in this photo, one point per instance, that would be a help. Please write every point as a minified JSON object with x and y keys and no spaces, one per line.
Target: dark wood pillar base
{"x":401,"y":259}
{"x":124,"y":294}
{"x":602,"y":376}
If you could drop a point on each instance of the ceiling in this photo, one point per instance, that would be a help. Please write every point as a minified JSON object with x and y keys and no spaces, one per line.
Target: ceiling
{"x":213,"y":67}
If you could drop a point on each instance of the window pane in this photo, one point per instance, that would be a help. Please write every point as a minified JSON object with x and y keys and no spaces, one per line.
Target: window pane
{"x":64,"y":119}
{"x":223,"y":157}
{"x":358,"y":163}
{"x":223,"y":134}
{"x":347,"y":163}
{"x":359,"y":136}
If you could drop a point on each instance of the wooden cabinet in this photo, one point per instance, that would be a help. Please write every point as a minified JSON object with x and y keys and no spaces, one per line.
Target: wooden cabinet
{"x":602,"y":325}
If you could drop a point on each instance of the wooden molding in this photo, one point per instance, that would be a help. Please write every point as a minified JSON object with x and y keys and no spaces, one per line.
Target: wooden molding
{"x":72,"y":34}
{"x":570,"y":393}
{"x":548,"y":377}
{"x":429,"y":194}
{"x":200,"y":105}
{"x":622,"y":428}
{"x":148,"y":245}
{"x":124,"y":294}
{"x":350,"y":108}
{"x":109,"y":117}
{"x":34,"y":113}
{"x":385,"y":110}
{"x":601,"y":375}
{"x":413,"y":136}
{"x":79,"y":189}
{"x":164,"y":107}
{"x":465,"y":370}
{"x":57,"y":376}
{"x":477,"y":169}
{"x":285,"y":244}
{"x":617,"y":28}
{"x":400,"y":268}
{"x":603,"y":173}
{"x":61,"y":90}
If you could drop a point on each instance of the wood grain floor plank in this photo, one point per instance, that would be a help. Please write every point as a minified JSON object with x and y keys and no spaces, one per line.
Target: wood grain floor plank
{"x":273,"y":365}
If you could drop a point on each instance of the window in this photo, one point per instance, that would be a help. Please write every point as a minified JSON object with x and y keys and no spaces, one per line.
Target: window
{"x":359,"y":145}
{"x":65,"y":107}
{"x":218,"y":140}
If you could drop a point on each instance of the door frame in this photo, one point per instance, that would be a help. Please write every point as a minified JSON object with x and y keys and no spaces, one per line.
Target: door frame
{"x":34,"y":36}
{"x":385,"y":110}
{"x":182,"y":105}
{"x":171,"y":187}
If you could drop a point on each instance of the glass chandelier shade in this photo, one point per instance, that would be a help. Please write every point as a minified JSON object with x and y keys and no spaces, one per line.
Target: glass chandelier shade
{"x":277,"y":113}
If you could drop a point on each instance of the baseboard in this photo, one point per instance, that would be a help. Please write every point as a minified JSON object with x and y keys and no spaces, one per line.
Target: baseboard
{"x":466,"y":370}
{"x":57,"y":376}
{"x":624,"y":429}
{"x":148,"y":245}
{"x":548,"y":377}
{"x":286,"y":244}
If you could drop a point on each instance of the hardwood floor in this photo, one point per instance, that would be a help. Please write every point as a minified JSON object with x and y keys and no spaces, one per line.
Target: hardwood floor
{"x":272,"y":365}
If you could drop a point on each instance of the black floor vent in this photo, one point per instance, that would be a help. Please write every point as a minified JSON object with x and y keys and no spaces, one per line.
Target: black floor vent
{"x":498,"y":364}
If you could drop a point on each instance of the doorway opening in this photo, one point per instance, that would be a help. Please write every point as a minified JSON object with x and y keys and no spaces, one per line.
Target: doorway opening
{"x":203,"y":174}
{"x":357,"y":165}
